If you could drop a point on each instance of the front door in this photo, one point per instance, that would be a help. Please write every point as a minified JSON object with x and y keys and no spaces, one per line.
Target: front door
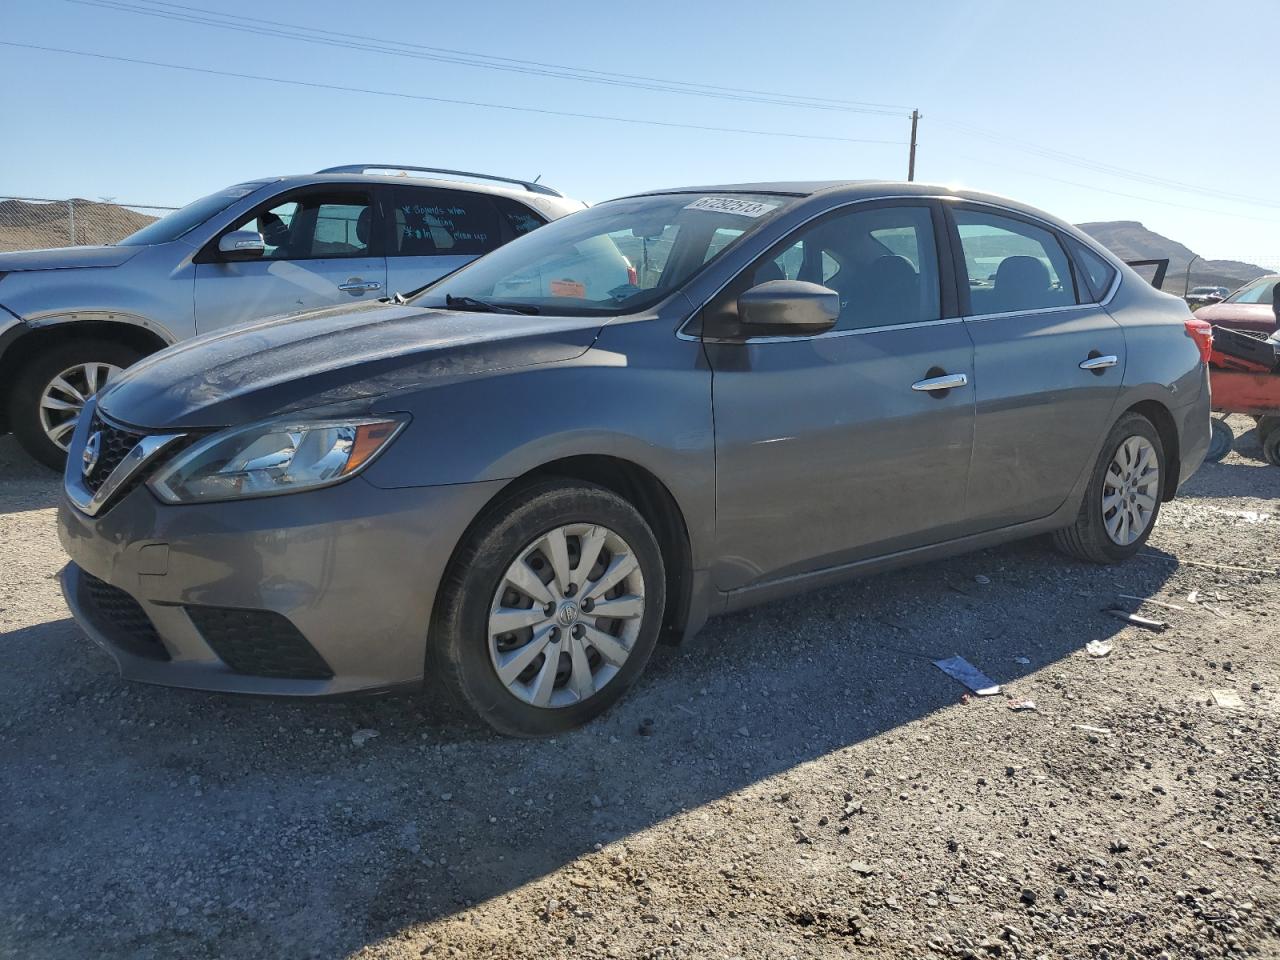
{"x":1048,"y":364}
{"x":322,"y":249}
{"x":828,"y":448}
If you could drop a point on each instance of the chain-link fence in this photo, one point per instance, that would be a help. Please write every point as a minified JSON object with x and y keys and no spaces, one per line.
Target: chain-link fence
{"x":32,"y":223}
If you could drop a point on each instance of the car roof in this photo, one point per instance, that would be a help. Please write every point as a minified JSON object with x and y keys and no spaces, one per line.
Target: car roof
{"x":516,"y":192}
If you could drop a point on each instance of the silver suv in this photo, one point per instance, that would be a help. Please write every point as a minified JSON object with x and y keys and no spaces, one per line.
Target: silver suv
{"x":72,"y":318}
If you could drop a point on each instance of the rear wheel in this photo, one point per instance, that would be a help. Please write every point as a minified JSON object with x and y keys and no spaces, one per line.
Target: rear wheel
{"x":52,"y":388}
{"x":1122,"y":501}
{"x":1271,"y":448}
{"x":550,"y":610}
{"x":1221,"y":438}
{"x":1267,"y":425}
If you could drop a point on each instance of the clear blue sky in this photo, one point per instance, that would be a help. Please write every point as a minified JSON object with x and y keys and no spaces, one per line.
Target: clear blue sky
{"x":1115,"y":83}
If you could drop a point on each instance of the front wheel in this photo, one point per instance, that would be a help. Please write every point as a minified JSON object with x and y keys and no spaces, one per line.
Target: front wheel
{"x":1122,"y":501}
{"x":549,"y":611}
{"x":52,"y":389}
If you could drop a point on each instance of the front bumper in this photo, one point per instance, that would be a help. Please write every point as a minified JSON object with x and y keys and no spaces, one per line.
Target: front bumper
{"x":352,"y":568}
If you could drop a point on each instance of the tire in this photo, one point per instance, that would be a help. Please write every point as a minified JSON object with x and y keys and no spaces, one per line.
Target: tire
{"x":465,"y":647}
{"x":1271,"y":448}
{"x":1088,"y":538}
{"x":1221,"y":438}
{"x":1267,"y":425}
{"x":36,"y":376}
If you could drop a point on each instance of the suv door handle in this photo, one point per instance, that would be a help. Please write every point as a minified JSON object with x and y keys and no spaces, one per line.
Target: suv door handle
{"x":356,"y":285}
{"x":948,"y":381}
{"x":1100,"y":363}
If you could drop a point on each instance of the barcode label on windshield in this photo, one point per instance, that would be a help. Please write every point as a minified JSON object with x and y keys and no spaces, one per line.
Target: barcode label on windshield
{"x":743,"y":208}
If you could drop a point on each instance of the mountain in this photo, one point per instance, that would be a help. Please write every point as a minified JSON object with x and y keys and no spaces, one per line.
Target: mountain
{"x":33,"y":226}
{"x":1130,"y":240}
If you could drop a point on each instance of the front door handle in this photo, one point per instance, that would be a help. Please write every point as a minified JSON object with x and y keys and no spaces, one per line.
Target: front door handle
{"x":356,"y":285}
{"x":948,"y":381}
{"x":1100,"y":363}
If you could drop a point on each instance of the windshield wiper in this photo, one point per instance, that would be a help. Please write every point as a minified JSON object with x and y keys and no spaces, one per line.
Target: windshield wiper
{"x":484,"y":306}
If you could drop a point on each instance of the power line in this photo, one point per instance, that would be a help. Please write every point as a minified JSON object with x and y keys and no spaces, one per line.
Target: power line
{"x":466,"y":103}
{"x":1105,"y":168}
{"x":293,"y":31}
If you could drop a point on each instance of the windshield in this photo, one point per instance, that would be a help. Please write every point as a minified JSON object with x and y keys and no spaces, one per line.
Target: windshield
{"x":1260,"y":291}
{"x":619,"y":257}
{"x":175,"y":224}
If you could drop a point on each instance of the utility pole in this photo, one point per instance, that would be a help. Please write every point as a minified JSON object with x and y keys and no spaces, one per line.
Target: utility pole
{"x":911,"y":161}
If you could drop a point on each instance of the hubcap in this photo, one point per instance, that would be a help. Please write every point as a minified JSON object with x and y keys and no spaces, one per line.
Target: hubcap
{"x":1130,"y":490}
{"x":566,"y":615}
{"x":64,"y":397}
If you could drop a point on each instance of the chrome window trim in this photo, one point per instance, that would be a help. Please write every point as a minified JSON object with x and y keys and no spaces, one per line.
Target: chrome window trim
{"x":91,"y":503}
{"x":682,"y":334}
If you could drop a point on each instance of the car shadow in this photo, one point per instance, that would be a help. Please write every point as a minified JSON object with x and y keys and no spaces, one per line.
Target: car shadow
{"x":287,"y":838}
{"x":1242,"y":473}
{"x":24,"y":483}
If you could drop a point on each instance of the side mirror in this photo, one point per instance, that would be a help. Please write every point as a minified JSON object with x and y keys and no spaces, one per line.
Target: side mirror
{"x":241,"y":245}
{"x":790,"y":306}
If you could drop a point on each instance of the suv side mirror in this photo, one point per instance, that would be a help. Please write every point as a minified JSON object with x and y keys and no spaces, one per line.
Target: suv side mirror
{"x":241,"y":245}
{"x":791,"y":306}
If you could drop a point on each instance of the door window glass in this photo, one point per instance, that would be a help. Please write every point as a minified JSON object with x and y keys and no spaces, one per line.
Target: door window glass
{"x":444,"y":223}
{"x":1012,"y":266}
{"x":312,"y":227}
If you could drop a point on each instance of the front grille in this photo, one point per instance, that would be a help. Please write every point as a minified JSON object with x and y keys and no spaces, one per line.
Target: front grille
{"x":114,"y":445}
{"x":259,"y":643}
{"x":121,"y":618}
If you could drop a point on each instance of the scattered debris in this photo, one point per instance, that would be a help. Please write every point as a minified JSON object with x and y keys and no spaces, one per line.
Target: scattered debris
{"x":1098,"y":648}
{"x":646,"y":727}
{"x":958,"y":668}
{"x":980,"y":578}
{"x":1211,"y":566}
{"x":361,"y":737}
{"x":1025,"y":661}
{"x":1159,"y":626}
{"x":1101,"y":731}
{"x":1193,"y":596}
{"x":1228,"y":699}
{"x":863,"y":868}
{"x":1157,"y":603}
{"x":1019,"y":705}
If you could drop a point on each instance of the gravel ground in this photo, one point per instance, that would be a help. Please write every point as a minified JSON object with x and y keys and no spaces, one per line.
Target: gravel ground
{"x":799,"y":782}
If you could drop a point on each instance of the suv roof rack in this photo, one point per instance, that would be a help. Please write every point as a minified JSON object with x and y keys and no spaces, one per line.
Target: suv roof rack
{"x":531,"y":186}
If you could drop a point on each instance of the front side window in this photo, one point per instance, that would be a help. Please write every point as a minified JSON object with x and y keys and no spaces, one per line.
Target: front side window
{"x":1260,"y":291}
{"x":443,"y":223}
{"x":314,"y":226}
{"x":881,"y":261}
{"x":1012,"y":265}
{"x":181,"y":222}
{"x":614,"y":258}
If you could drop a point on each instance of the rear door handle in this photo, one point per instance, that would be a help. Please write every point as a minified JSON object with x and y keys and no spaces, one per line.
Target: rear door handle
{"x":356,"y":285}
{"x":946,"y":382}
{"x":1100,"y":363}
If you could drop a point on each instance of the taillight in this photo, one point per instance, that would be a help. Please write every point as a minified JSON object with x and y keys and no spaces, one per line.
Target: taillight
{"x":1201,"y":331}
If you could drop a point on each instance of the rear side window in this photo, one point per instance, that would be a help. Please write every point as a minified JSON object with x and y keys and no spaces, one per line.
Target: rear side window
{"x":519,"y":219}
{"x":1097,"y":275}
{"x":1012,"y":265}
{"x":428,"y":222}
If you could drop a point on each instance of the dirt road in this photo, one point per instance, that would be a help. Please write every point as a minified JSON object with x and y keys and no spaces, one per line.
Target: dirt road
{"x":810,"y":784}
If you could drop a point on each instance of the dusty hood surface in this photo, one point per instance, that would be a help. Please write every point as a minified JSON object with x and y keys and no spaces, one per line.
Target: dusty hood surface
{"x":330,"y":356}
{"x":1226,"y":312}
{"x":67,"y":258}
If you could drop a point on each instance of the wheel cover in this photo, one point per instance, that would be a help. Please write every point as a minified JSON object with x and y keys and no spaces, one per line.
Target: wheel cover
{"x":1130,"y":490}
{"x":64,"y":397}
{"x":566,"y":615}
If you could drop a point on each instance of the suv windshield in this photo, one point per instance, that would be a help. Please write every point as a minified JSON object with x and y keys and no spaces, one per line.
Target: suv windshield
{"x":175,"y":224}
{"x":1260,"y":291}
{"x":620,"y":257}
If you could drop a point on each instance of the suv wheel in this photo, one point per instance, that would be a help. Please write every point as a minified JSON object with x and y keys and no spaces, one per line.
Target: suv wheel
{"x":1122,"y":502}
{"x":550,"y":610}
{"x":52,"y":388}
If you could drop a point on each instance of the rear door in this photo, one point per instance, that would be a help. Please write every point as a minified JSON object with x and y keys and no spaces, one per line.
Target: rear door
{"x":433,"y":231}
{"x":323,"y":248}
{"x":827,"y":449}
{"x":1048,"y":363}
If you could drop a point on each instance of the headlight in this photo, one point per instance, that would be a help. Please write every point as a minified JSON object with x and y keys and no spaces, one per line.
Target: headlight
{"x":278,"y":456}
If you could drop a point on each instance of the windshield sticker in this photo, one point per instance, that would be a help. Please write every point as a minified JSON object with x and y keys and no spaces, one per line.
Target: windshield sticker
{"x":742,"y":208}
{"x":568,"y":288}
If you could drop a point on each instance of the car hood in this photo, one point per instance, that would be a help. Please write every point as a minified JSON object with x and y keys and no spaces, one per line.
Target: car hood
{"x":332,"y":356}
{"x":1218,"y":312}
{"x":66,"y":258}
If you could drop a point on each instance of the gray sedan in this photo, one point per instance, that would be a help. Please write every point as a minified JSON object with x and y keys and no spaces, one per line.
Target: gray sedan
{"x":513,"y":485}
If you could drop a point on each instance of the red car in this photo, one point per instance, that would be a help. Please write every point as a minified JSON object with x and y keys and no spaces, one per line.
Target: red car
{"x":1251,"y":308}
